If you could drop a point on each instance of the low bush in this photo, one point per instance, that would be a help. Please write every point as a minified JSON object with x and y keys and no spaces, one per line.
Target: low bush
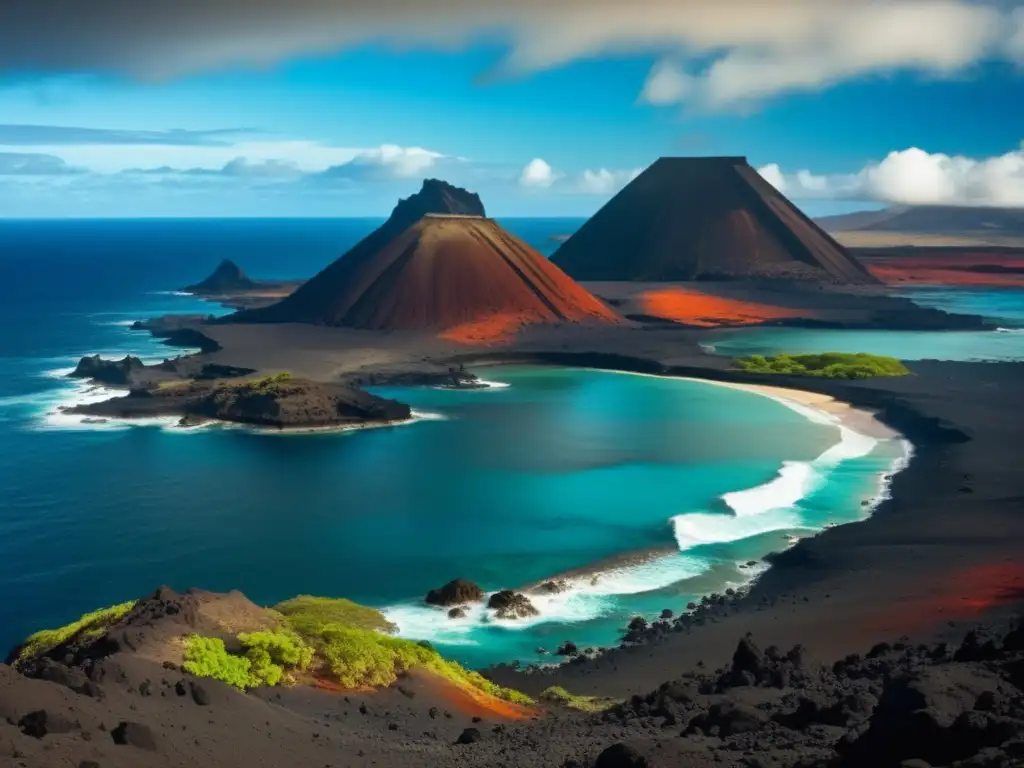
{"x":558,"y":695}
{"x":360,"y":657}
{"x":307,"y":615}
{"x":87,"y":627}
{"x":268,"y":657}
{"x":207,"y":657}
{"x":829,"y":365}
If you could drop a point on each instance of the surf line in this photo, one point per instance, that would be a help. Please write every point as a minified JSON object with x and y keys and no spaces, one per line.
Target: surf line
{"x":772,"y":505}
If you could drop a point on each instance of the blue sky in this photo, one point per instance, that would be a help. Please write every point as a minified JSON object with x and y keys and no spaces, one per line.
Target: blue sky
{"x":324,"y":109}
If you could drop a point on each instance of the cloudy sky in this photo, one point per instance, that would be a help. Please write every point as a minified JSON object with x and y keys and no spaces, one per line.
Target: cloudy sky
{"x":546,"y":107}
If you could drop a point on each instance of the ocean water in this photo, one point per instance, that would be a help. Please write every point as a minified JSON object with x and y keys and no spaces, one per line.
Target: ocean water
{"x":658,"y":488}
{"x":1004,"y":306}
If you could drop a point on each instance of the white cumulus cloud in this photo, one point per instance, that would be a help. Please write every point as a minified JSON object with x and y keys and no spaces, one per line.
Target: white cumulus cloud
{"x":915,"y":177}
{"x":538,"y":173}
{"x":604,"y":181}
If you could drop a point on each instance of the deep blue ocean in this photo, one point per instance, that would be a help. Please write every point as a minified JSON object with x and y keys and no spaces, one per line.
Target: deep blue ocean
{"x":647,"y":492}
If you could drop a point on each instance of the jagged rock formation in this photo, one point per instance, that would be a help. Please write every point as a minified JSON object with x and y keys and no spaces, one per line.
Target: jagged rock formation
{"x":707,"y":218}
{"x":226,"y":278}
{"x":511,"y":605}
{"x":455,"y":592}
{"x":437,"y":263}
{"x":117,"y":373}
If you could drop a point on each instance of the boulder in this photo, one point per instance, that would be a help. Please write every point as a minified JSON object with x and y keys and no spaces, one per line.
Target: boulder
{"x":730,"y":718}
{"x":621,"y":755}
{"x":929,"y":715}
{"x":457,"y":613}
{"x":511,"y":605}
{"x":42,"y":723}
{"x":455,"y":592}
{"x":554,"y":587}
{"x":568,"y":648}
{"x":134,"y":735}
{"x":469,"y":736}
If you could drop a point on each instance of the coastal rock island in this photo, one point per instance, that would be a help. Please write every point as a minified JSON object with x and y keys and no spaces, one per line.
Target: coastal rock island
{"x":275,"y":401}
{"x":228,"y":277}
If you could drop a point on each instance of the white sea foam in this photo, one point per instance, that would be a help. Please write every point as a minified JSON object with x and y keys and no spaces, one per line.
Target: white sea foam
{"x":900,"y":463}
{"x":698,"y":528}
{"x":426,"y":416}
{"x":589,"y":596}
{"x":774,"y":505}
{"x":494,"y":384}
{"x":794,"y":481}
{"x":119,"y":323}
{"x":169,"y":293}
{"x":1009,"y":330}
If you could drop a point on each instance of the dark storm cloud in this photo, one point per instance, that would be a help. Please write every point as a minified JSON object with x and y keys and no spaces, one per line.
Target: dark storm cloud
{"x":53,"y":135}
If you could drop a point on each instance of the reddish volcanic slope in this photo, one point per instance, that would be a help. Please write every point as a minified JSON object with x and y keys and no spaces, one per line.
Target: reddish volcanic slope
{"x":328,"y":296}
{"x":704,"y":218}
{"x":447,"y":271}
{"x":443,"y":270}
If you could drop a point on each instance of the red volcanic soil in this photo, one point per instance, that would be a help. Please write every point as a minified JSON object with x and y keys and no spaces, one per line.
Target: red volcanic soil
{"x":682,"y":305}
{"x":962,"y":594}
{"x":967,"y":267}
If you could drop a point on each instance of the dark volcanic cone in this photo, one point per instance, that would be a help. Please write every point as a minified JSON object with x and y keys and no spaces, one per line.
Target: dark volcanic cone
{"x":437,"y":264}
{"x":227,"y":277}
{"x":706,"y":218}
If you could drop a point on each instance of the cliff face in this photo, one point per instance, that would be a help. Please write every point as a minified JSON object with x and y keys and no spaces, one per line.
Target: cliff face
{"x":117,"y":373}
{"x":226,"y":278}
{"x":704,"y":219}
{"x":437,"y":264}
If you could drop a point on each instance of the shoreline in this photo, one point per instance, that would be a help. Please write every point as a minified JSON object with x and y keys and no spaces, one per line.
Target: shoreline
{"x":589,"y":578}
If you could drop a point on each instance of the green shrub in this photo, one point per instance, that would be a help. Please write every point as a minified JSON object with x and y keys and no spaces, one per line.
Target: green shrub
{"x":268,"y":656}
{"x":307,"y":615}
{"x":207,"y":657}
{"x":830,"y":365}
{"x":87,"y":627}
{"x":558,"y":695}
{"x":283,"y":648}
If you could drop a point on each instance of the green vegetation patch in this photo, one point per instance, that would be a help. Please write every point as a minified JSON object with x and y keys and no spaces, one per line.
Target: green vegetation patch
{"x":89,"y":626}
{"x":308,"y":615}
{"x":829,"y":365}
{"x":268,"y":658}
{"x":334,"y":639}
{"x":558,"y":695}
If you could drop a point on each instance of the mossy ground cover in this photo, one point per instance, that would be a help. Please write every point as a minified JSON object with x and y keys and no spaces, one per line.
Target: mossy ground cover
{"x":558,"y":695}
{"x":87,"y":627}
{"x":307,"y":614}
{"x":330,"y":638}
{"x":829,"y":365}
